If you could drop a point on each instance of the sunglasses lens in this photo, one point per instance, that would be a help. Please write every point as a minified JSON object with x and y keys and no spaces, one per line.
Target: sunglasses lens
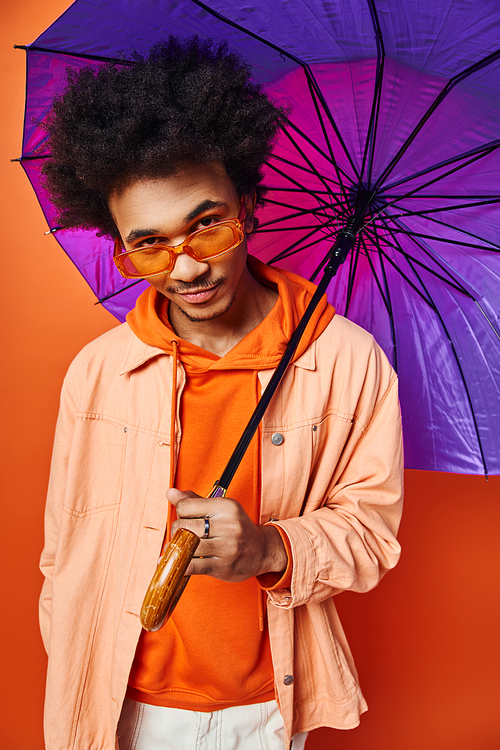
{"x":147,"y":261}
{"x":212,"y":241}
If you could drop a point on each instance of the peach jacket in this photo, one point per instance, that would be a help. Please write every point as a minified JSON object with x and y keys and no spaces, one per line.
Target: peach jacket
{"x":334,"y":483}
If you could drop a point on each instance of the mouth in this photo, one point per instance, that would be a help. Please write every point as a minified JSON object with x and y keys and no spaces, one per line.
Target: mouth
{"x":199,"y":296}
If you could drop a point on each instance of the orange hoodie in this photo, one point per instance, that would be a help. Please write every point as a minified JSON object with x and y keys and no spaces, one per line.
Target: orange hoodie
{"x":212,"y":654}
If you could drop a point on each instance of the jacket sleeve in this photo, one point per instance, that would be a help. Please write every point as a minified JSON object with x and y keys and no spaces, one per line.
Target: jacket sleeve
{"x":55,"y":500}
{"x":349,"y":542}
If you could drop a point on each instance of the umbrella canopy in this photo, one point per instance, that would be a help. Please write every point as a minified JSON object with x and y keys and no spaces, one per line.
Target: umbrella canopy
{"x":395,"y":134}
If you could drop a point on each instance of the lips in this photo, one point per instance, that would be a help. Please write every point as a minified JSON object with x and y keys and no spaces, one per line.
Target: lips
{"x":200,"y":296}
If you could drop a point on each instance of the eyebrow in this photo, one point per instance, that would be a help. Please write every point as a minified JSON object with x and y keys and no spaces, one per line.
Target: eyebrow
{"x":206,"y":205}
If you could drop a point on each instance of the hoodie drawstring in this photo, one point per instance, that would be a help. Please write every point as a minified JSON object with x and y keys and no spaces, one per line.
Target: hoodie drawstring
{"x":173,"y":417}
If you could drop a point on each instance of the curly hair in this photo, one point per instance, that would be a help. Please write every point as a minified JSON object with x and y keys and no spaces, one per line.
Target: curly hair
{"x":189,"y":101}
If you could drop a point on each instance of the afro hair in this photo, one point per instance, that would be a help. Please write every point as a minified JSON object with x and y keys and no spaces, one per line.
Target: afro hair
{"x":188,"y":101}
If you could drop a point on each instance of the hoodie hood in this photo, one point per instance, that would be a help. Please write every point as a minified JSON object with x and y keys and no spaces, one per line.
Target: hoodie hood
{"x":262,"y":347}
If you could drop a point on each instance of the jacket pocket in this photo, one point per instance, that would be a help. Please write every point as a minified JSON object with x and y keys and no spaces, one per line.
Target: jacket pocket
{"x":95,"y":467}
{"x":286,"y":466}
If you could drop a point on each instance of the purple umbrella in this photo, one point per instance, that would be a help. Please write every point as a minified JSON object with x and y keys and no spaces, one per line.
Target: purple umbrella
{"x":394,"y":138}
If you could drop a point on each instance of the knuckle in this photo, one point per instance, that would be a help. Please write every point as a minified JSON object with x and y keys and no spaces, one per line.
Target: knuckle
{"x":207,"y":547}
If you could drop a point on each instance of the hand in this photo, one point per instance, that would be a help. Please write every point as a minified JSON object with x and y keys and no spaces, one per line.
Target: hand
{"x":237,"y":548}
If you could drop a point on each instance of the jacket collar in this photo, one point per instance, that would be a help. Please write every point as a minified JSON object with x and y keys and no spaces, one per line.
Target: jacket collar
{"x":139,"y":352}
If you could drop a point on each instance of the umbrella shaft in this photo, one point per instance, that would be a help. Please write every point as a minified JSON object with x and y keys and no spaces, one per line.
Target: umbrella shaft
{"x":343,"y":244}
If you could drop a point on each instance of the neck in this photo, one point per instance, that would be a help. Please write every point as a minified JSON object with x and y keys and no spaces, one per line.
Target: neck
{"x":252,"y":303}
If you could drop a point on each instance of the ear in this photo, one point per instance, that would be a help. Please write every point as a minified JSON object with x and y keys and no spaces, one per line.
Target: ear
{"x":250,"y":210}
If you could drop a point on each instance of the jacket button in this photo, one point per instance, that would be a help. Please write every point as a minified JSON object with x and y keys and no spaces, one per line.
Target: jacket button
{"x":288,"y":679}
{"x":277,"y":438}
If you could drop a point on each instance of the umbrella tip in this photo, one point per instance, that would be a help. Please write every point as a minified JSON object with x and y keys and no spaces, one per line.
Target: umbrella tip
{"x":20,"y":46}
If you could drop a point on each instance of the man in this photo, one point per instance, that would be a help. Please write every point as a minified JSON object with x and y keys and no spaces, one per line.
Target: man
{"x":165,"y":156}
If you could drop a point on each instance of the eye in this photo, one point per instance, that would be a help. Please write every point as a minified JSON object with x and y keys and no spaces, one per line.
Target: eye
{"x":150,"y":241}
{"x":207,"y":221}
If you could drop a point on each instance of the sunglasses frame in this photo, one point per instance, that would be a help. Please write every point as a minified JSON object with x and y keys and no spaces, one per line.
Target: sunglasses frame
{"x":119,"y":254}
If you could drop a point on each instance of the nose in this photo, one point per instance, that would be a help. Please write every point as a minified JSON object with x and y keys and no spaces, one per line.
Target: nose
{"x":187,"y":269}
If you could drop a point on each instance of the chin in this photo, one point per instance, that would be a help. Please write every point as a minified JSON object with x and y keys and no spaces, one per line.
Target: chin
{"x":202,"y":315}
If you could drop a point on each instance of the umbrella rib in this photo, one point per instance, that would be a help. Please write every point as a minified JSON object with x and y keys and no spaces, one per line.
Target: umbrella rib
{"x":353,"y":266}
{"x":272,"y":201}
{"x":440,"y":97}
{"x":457,"y":360}
{"x":494,"y":247}
{"x":305,"y":67}
{"x":430,"y":182}
{"x":405,"y":277}
{"x":82,"y":55}
{"x":32,"y":158}
{"x":433,"y":306}
{"x":329,"y":115}
{"x":303,"y":168}
{"x":484,"y":150}
{"x":404,"y":230}
{"x":329,"y":192}
{"x":320,"y":152}
{"x":454,"y":283}
{"x":445,"y":208}
{"x":386,"y":298}
{"x":280,"y":189}
{"x":299,"y":212}
{"x":322,"y":124}
{"x":377,"y":94}
{"x":495,"y":331}
{"x":448,"y":196}
{"x":293,"y":249}
{"x":314,"y":211}
{"x":237,"y":26}
{"x":290,"y":229}
{"x":119,"y":291}
{"x":445,"y":240}
{"x":311,"y":166}
{"x":302,"y":188}
{"x":313,"y":93}
{"x":318,"y":212}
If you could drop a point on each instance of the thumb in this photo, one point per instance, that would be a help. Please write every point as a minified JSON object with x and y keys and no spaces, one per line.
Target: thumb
{"x":174,"y":495}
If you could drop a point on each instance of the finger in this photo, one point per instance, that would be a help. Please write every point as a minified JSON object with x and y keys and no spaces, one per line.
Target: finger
{"x":198,"y":526}
{"x":205,"y":566}
{"x":201,"y":507}
{"x":174,"y":495}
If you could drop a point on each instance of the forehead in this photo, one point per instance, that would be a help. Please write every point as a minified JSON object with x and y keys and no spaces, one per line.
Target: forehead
{"x":171,"y":199}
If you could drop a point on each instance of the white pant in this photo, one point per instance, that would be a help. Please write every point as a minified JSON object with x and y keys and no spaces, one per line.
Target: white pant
{"x":256,"y":727}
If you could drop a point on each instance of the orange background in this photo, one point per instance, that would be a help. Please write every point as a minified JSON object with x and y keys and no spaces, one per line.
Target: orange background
{"x":425,"y":642}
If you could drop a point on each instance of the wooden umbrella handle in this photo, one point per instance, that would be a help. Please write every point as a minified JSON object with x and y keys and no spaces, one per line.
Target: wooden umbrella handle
{"x":169,"y":580}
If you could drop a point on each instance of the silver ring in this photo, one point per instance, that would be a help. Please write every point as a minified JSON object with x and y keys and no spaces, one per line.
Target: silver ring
{"x":207,"y":529}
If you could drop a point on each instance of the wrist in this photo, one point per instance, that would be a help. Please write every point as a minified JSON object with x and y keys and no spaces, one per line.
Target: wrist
{"x":275,"y":557}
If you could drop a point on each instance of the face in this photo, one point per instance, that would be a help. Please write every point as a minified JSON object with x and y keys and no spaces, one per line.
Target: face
{"x":167,"y":210}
